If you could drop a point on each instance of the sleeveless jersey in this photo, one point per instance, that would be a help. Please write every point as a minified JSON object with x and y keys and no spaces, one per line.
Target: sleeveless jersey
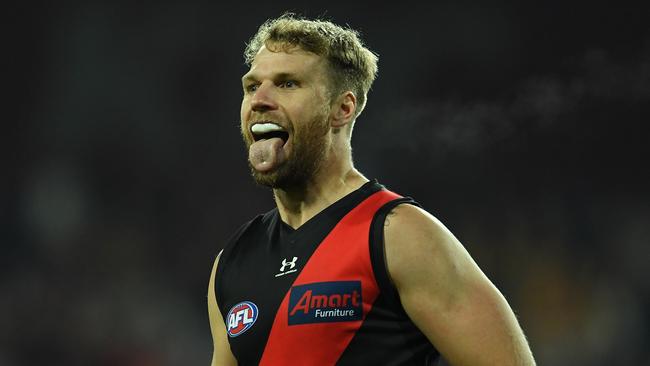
{"x":320,"y":294}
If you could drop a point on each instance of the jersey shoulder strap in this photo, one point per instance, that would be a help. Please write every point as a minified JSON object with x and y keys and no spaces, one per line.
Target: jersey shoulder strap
{"x":378,"y":251}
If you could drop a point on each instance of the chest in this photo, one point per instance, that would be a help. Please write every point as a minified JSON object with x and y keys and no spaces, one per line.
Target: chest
{"x":289,"y":289}
{"x":312,"y":288}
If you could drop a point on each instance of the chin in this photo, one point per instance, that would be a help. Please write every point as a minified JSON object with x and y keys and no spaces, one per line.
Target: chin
{"x":282,"y":178}
{"x":265,"y":180}
{"x":268,"y":179}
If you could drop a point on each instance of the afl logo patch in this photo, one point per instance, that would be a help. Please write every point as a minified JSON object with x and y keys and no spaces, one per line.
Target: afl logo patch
{"x":241,"y":317}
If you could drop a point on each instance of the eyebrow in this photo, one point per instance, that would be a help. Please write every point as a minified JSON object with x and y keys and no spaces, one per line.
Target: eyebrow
{"x":278,"y":76}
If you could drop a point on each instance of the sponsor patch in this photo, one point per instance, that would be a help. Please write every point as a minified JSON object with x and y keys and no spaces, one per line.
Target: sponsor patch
{"x":241,"y":317}
{"x":323,"y":302}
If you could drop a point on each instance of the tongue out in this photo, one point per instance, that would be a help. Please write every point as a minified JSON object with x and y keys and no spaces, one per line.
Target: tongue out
{"x":265,"y":155}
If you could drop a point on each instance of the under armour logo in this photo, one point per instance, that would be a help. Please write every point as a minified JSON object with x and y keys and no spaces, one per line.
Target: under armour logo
{"x":286,"y":263}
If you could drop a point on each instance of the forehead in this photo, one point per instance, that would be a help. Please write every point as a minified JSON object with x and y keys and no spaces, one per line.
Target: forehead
{"x":293,"y":61}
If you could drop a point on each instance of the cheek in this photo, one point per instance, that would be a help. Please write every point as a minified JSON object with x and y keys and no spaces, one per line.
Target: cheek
{"x":311,"y":110}
{"x":244,"y":110}
{"x":244,"y":115}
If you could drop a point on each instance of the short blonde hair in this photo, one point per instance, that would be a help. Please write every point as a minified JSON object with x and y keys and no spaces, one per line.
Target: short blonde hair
{"x":352,"y":66}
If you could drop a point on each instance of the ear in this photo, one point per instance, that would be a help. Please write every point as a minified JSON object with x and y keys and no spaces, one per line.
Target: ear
{"x":343,"y":109}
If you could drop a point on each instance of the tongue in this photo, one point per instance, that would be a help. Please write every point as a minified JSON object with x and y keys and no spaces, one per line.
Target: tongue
{"x":265,"y":155}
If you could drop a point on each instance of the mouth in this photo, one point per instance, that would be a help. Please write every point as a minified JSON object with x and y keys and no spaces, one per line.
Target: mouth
{"x":268,"y":130}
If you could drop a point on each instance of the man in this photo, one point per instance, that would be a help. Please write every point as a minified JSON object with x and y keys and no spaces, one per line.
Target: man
{"x":342,"y":271}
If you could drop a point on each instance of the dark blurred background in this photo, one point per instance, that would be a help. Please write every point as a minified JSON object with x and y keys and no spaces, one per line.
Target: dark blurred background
{"x":520,"y":126}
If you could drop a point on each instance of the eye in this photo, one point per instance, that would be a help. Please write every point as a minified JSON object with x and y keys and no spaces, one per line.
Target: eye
{"x":289,"y":84}
{"x":250,"y":88}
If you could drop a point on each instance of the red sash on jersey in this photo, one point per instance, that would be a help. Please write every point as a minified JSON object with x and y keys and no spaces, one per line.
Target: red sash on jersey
{"x":342,"y":257}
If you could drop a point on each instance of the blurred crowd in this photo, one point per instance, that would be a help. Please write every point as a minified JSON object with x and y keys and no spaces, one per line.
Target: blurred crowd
{"x":125,"y":174}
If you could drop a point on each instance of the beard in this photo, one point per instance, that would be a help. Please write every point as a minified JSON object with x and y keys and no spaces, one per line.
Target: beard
{"x":309,"y":148}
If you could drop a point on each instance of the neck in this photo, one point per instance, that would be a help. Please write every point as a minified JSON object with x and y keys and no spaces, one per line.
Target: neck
{"x":335,"y":179}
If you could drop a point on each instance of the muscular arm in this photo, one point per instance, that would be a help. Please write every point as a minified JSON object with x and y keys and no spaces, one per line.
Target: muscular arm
{"x":447,"y":296}
{"x":222,"y":356}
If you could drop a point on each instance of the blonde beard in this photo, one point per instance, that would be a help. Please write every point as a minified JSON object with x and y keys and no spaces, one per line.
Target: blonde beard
{"x":310,"y":144}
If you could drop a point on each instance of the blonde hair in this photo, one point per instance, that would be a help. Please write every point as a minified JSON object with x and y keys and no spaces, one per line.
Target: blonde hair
{"x":352,"y":66}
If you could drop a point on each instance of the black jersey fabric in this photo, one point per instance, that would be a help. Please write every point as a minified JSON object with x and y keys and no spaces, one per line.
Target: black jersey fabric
{"x":319,"y":294}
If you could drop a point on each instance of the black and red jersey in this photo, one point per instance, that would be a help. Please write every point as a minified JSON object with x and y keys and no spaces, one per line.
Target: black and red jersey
{"x":319,"y":294}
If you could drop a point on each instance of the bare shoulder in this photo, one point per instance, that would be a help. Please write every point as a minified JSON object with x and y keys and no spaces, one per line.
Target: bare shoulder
{"x":446,"y":294}
{"x":212,"y":300}
{"x":418,"y":244}
{"x":213,"y":273}
{"x":412,"y":222}
{"x":222,"y":354}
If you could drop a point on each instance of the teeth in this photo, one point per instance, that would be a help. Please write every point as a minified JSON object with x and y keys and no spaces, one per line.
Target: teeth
{"x":260,"y":128}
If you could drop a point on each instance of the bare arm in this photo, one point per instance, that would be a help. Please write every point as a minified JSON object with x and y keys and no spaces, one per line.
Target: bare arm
{"x":222,"y":356}
{"x":447,"y":296}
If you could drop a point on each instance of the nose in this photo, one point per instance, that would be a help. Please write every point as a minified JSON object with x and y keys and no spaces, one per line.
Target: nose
{"x":263,"y":99}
